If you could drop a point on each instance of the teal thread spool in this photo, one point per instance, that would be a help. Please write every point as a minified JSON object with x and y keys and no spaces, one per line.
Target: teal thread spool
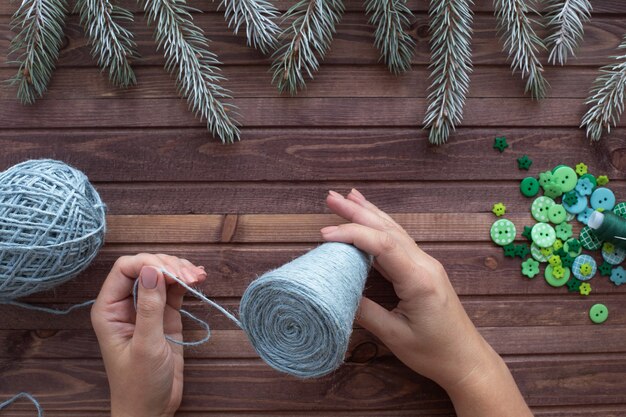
{"x":609,"y":227}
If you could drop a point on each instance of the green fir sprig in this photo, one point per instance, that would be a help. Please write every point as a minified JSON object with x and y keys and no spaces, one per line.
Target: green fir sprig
{"x":606,"y":97}
{"x":565,"y":19}
{"x":39,"y":26}
{"x":188,"y":58}
{"x":259,"y":18}
{"x":522,"y":43}
{"x":391,"y":18}
{"x":451,"y":65}
{"x":305,"y":41}
{"x":111,"y":44}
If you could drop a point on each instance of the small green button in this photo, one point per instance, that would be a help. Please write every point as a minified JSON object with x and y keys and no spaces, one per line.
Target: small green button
{"x":543,"y":235}
{"x":598,"y":313}
{"x":539,"y":208}
{"x":529,"y":187}
{"x":503,"y":232}
{"x":552,"y":280}
{"x":557,"y":214}
{"x":565,"y":177}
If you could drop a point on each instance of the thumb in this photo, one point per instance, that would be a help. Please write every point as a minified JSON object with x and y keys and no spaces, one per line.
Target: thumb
{"x":381,"y":322}
{"x":151,"y":298}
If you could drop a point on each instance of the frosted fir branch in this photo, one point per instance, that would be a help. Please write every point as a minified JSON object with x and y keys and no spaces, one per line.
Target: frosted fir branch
{"x":451,"y":65}
{"x":391,"y":18}
{"x":111,"y":44}
{"x":522,"y":43}
{"x":39,"y":25}
{"x":606,"y":97}
{"x":565,"y":27}
{"x":308,"y":36}
{"x":188,"y":58}
{"x":259,"y":18}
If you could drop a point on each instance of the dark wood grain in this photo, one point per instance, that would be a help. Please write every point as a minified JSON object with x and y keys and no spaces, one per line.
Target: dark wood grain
{"x":352,"y":44}
{"x":326,"y":154}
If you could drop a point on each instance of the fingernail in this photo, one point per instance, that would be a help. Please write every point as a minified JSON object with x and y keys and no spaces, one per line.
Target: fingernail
{"x":201,"y":267}
{"x":188,"y":275}
{"x":357,"y":194}
{"x":329,"y":229}
{"x":149,"y":277}
{"x":334,"y":194}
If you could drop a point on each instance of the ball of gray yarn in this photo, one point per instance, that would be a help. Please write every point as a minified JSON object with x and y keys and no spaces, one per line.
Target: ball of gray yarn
{"x":52,"y":224}
{"x":299,"y":317}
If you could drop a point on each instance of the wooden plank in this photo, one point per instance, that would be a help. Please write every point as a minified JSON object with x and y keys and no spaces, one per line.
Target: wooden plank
{"x":290,"y":112}
{"x":475,"y":269}
{"x":479,"y":6}
{"x":342,"y":81}
{"x":398,"y":154}
{"x":352,"y":44}
{"x":233,"y":344}
{"x":300,"y":198}
{"x":295,"y":228}
{"x":383,"y":383}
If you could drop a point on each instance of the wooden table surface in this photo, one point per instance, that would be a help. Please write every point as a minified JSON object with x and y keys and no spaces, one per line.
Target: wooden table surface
{"x":242,"y":209}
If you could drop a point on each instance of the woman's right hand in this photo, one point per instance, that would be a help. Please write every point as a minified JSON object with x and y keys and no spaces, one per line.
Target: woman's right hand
{"x":429,"y":329}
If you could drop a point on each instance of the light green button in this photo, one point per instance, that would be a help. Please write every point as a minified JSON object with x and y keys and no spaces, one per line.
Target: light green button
{"x":503,"y":232}
{"x":557,"y":214}
{"x":598,"y":313}
{"x":543,"y":235}
{"x":539,"y":208}
{"x":556,"y":282}
{"x":565,"y":177}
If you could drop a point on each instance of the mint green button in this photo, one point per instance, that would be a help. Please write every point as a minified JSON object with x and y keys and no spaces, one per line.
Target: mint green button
{"x":503,"y":232}
{"x":598,"y":313}
{"x":552,"y":280}
{"x":565,"y":177}
{"x":557,"y":214}
{"x":539,"y":208}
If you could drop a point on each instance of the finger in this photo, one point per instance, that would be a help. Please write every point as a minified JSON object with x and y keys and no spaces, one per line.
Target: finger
{"x":356,"y":213}
{"x":360,"y":199}
{"x":379,"y":321}
{"x":175,"y":295}
{"x":399,"y":266}
{"x":119,"y":283}
{"x":151,"y":300}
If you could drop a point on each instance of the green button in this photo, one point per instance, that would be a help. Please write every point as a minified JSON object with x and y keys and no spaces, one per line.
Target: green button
{"x":598,"y":313}
{"x":503,"y":232}
{"x":539,"y":208}
{"x":589,"y":240}
{"x":543,"y":235}
{"x":565,"y":177}
{"x":529,"y":187}
{"x":557,"y":214}
{"x":552,"y":280}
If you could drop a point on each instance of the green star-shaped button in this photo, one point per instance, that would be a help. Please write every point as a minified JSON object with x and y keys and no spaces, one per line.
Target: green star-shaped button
{"x":552,"y":190}
{"x":527,"y":233}
{"x":500,"y":144}
{"x":605,"y":269}
{"x":560,"y":252}
{"x":570,"y":198}
{"x":573,"y":285}
{"x":573,"y":245}
{"x":522,"y":250}
{"x":567,"y":260}
{"x":509,"y":250}
{"x":524,"y":162}
{"x":544,"y":178}
{"x":563,"y":231}
{"x":530,"y":268}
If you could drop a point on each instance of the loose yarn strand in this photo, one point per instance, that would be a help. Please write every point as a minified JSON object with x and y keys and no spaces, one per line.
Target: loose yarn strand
{"x":28,"y":397}
{"x":51,"y":310}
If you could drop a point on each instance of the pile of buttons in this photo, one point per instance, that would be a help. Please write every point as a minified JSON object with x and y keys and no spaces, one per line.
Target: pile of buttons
{"x":568,"y":194}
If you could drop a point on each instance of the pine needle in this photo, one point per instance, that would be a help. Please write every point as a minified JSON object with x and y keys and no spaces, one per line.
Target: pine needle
{"x":308,"y":36}
{"x":522,"y":43}
{"x":606,"y":97}
{"x":565,"y":25}
{"x":391,"y":19}
{"x":259,"y":17}
{"x":188,"y":58}
{"x":451,"y":64}
{"x":39,"y":26}
{"x":111,"y":44}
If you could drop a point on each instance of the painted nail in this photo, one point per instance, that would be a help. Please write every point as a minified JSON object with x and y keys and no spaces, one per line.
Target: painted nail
{"x":334,"y":194}
{"x":328,"y":230}
{"x":149,"y":277}
{"x":357,"y":194}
